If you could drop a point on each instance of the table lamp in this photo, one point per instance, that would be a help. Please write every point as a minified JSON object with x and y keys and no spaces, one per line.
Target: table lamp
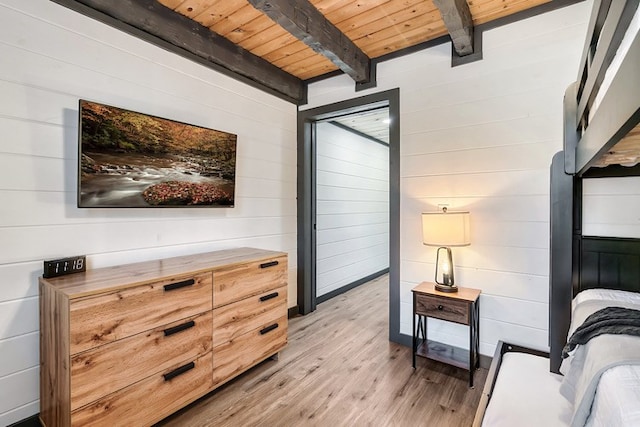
{"x":445,"y":229}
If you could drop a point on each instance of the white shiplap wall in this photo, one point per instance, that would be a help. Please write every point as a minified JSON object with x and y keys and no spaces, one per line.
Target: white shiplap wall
{"x":480,"y":137}
{"x":352,"y":207}
{"x":49,"y":58}
{"x":611,"y":207}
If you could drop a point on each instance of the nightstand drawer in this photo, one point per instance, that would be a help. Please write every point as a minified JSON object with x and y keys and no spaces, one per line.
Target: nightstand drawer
{"x":443,"y":308}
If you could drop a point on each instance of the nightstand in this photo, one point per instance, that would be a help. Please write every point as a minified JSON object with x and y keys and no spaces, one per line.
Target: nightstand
{"x":460,"y":307}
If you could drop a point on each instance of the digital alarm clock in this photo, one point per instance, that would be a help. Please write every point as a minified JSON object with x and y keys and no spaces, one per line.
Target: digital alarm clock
{"x":60,"y":267}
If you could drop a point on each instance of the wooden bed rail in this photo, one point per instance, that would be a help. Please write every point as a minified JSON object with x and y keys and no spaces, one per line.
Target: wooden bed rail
{"x":501,"y":348}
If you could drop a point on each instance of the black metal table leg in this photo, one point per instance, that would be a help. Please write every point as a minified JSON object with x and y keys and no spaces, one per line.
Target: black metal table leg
{"x":471,"y":344}
{"x":414,"y":332}
{"x":477,"y":333}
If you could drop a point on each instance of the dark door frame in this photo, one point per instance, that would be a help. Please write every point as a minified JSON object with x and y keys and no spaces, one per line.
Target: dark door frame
{"x":306,"y":198}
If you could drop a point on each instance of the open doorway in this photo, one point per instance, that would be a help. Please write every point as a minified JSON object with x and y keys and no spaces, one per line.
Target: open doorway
{"x":352,"y":201}
{"x":308,"y":122}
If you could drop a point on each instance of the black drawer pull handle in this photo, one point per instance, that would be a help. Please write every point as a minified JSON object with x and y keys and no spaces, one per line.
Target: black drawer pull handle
{"x":268,"y":329}
{"x":178,"y":285}
{"x":179,"y":371}
{"x":268,"y":297}
{"x":440,"y":308}
{"x":269,"y":264}
{"x":179,"y":328}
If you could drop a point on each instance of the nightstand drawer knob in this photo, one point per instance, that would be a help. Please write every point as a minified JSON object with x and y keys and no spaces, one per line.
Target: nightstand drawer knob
{"x":440,"y":308}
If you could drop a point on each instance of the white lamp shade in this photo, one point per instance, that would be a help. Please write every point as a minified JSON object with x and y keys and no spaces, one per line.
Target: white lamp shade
{"x":446,"y":229}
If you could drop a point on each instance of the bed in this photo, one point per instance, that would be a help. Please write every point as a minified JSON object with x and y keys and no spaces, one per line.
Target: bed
{"x":595,"y":379}
{"x":599,"y":384}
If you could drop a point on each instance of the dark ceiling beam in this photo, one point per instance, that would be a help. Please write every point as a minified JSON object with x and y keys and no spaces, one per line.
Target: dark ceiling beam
{"x":302,"y":20}
{"x":159,"y":25}
{"x":457,"y":18}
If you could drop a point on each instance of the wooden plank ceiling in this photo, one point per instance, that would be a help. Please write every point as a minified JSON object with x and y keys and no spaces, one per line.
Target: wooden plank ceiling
{"x":377,"y":27}
{"x":279,"y":45}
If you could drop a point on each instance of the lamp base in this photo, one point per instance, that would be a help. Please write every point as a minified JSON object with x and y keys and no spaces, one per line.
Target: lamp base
{"x":446,"y":288}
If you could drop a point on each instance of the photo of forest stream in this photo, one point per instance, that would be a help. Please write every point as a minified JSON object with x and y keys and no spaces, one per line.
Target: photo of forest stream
{"x":130,"y":159}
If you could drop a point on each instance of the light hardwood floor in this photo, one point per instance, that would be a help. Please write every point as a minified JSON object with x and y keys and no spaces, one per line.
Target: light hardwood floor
{"x":340,"y":369}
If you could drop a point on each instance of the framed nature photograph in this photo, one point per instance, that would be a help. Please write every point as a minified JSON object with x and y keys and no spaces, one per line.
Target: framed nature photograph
{"x":130,"y":160}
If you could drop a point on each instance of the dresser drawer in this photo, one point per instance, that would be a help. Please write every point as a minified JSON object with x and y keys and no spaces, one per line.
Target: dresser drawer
{"x":239,"y":354}
{"x":441,"y":308}
{"x":104,"y":318}
{"x":238,"y":318}
{"x":240,"y":281}
{"x":150,"y":400}
{"x":103,"y":370}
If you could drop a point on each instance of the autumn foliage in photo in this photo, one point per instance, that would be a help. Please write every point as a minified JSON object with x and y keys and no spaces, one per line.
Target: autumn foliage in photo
{"x":131,"y":159}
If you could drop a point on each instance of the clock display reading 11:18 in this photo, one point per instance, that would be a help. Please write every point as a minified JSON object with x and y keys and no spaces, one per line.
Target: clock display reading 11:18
{"x":59,"y":267}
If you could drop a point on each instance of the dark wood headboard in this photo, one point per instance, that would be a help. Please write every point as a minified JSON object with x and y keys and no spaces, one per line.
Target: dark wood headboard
{"x":609,"y":262}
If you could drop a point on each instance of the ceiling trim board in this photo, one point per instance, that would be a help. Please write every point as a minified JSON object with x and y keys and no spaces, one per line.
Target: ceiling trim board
{"x":528,"y":13}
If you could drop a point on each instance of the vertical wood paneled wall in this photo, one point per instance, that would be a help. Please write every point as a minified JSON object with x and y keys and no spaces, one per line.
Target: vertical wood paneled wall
{"x":480,"y":137}
{"x":50,"y":57}
{"x":352,"y":207}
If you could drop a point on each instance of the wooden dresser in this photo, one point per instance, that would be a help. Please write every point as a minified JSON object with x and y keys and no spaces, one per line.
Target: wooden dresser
{"x":129,"y":345}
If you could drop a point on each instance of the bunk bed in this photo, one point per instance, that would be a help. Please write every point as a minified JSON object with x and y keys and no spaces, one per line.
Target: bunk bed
{"x":598,"y":381}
